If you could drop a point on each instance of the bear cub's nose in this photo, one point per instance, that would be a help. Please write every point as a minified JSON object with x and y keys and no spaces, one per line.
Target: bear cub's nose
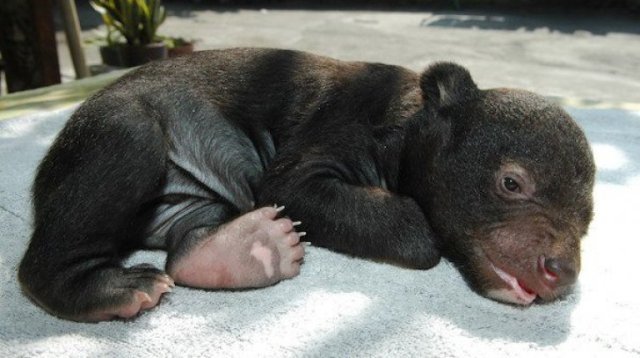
{"x":557,"y":272}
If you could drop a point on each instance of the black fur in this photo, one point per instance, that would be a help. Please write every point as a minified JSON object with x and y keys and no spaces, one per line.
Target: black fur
{"x":371,"y":158}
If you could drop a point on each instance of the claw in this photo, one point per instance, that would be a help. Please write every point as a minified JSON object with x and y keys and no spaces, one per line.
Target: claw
{"x":168,"y":280}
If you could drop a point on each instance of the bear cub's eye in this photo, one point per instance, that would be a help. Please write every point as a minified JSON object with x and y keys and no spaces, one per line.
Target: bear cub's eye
{"x":511,"y":184}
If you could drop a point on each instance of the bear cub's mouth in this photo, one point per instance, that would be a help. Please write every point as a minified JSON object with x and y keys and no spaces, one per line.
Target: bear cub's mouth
{"x":517,"y":293}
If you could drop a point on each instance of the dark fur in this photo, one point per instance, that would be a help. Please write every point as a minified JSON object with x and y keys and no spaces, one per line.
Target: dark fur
{"x":372,"y":158}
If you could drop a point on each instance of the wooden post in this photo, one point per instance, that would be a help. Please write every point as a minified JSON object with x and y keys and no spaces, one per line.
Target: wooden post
{"x":72,"y":29}
{"x":28,"y":44}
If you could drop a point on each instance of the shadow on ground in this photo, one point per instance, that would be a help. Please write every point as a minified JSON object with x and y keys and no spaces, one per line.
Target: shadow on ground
{"x":551,"y":21}
{"x":513,"y":18}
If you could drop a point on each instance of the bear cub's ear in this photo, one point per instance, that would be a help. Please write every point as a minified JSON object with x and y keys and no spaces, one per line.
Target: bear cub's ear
{"x":446,"y":84}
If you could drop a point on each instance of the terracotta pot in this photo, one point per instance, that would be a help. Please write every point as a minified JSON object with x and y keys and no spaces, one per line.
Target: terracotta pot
{"x":181,"y":50}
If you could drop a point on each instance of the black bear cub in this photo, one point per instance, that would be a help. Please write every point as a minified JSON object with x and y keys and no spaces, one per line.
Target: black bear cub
{"x":226,"y":159}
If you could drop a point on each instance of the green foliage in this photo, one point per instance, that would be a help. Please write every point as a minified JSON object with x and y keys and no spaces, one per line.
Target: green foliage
{"x":135,"y":20}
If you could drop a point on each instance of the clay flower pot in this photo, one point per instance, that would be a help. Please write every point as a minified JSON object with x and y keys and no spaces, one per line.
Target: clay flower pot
{"x":181,"y":49}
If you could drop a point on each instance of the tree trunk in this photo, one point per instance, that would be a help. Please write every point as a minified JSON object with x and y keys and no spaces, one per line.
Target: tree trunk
{"x":28,"y":44}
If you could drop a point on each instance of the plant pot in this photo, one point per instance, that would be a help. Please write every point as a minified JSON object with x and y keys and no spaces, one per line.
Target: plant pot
{"x":115,"y":55}
{"x":181,"y":50}
{"x":139,"y":55}
{"x":122,"y":55}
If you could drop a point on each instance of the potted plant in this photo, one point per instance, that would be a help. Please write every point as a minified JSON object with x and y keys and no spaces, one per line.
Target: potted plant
{"x":136,"y":22}
{"x":178,"y":46}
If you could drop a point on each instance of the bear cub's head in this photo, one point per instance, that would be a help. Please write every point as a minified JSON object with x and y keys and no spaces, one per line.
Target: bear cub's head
{"x":508,"y":186}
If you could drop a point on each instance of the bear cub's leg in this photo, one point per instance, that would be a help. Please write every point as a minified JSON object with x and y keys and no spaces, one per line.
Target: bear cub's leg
{"x":256,"y":249}
{"x":144,"y":285}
